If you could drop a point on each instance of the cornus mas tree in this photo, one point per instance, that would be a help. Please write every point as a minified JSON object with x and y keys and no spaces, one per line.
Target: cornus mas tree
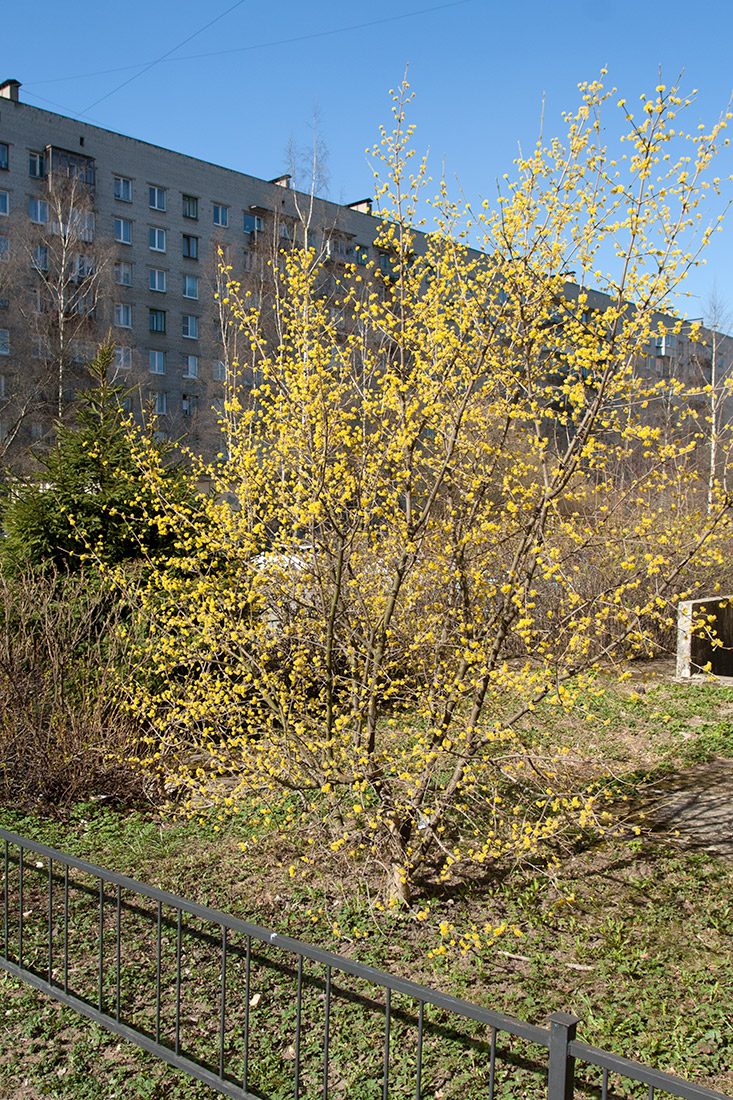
{"x":443,"y":503}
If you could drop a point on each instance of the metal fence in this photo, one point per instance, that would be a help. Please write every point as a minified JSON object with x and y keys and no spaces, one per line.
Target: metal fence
{"x":253,"y":1013}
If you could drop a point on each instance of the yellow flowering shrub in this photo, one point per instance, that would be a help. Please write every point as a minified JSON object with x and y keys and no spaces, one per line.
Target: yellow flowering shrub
{"x":444,"y":500}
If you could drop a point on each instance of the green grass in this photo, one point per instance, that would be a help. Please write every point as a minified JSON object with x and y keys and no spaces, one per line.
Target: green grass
{"x":632,"y":933}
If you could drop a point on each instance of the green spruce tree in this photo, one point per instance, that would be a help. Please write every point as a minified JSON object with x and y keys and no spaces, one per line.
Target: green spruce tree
{"x":88,"y":496}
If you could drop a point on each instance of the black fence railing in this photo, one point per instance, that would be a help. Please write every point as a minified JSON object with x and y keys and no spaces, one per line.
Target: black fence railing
{"x":253,"y":1013}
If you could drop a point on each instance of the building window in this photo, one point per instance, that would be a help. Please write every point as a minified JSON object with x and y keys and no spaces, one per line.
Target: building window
{"x":160,"y":402}
{"x":123,"y":358}
{"x":189,"y":404}
{"x":220,"y":371}
{"x":156,"y":362}
{"x":4,"y":203}
{"x":3,"y":391}
{"x":156,"y":239}
{"x":190,"y":207}
{"x":80,"y":267}
{"x":189,"y":366}
{"x":4,"y":157}
{"x":156,"y":320}
{"x":37,"y":165}
{"x":123,"y":274}
{"x":123,"y":231}
{"x":246,"y":260}
{"x":39,"y":260}
{"x":156,"y":279}
{"x":190,"y":247}
{"x":4,"y":341}
{"x":252,"y":223}
{"x":123,"y":189}
{"x":362,"y":255}
{"x":218,"y":406}
{"x":38,"y":211}
{"x":123,"y":315}
{"x":36,"y":432}
{"x":5,"y":250}
{"x":156,"y":198}
{"x":190,"y":327}
{"x":190,"y":286}
{"x":221,"y":215}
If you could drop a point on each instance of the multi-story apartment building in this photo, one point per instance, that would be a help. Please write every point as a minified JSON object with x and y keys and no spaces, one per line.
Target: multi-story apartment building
{"x":104,"y":234}
{"x":101,"y":233}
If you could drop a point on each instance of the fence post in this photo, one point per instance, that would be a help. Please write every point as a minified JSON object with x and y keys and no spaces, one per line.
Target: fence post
{"x":561,"y":1071}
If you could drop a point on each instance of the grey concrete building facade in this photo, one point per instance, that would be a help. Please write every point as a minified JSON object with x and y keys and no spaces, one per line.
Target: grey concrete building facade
{"x":160,"y":220}
{"x":155,"y":223}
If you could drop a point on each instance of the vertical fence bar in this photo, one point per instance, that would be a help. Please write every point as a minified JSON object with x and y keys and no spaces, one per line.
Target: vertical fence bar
{"x":298,"y":1014}
{"x":326,"y":1032}
{"x":387,"y":1023}
{"x":5,"y":905}
{"x":50,"y":921}
{"x":101,"y":944}
{"x":118,"y":931}
{"x":418,"y":1073}
{"x":604,"y":1085}
{"x":247,"y":970}
{"x":178,"y":983}
{"x":651,"y":1092}
{"x":66,"y":928}
{"x":492,"y":1064}
{"x":20,"y":913}
{"x":561,"y":1072}
{"x":159,"y":935}
{"x":223,"y":999}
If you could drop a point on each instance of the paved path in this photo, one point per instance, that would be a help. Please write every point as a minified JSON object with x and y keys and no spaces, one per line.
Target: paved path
{"x":698,"y":802}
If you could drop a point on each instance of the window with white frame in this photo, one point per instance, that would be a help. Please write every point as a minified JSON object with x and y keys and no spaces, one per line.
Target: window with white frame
{"x":160,"y":402}
{"x":123,"y":274}
{"x":156,"y":279}
{"x":219,"y":373}
{"x":123,"y":189}
{"x":221,"y":215}
{"x":39,"y":259}
{"x":156,"y":362}
{"x":189,"y":327}
{"x":189,"y":366}
{"x":123,"y":315}
{"x":4,"y":203}
{"x":4,"y":341}
{"x":189,"y":404}
{"x":252,"y":223}
{"x":80,"y":267}
{"x":156,"y":239}
{"x":123,"y":231}
{"x":123,"y":358}
{"x":156,"y":199}
{"x":190,"y":286}
{"x":37,"y":165}
{"x":156,"y":320}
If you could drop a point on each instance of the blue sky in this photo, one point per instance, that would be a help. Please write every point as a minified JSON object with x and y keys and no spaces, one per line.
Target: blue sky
{"x":251,"y":75}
